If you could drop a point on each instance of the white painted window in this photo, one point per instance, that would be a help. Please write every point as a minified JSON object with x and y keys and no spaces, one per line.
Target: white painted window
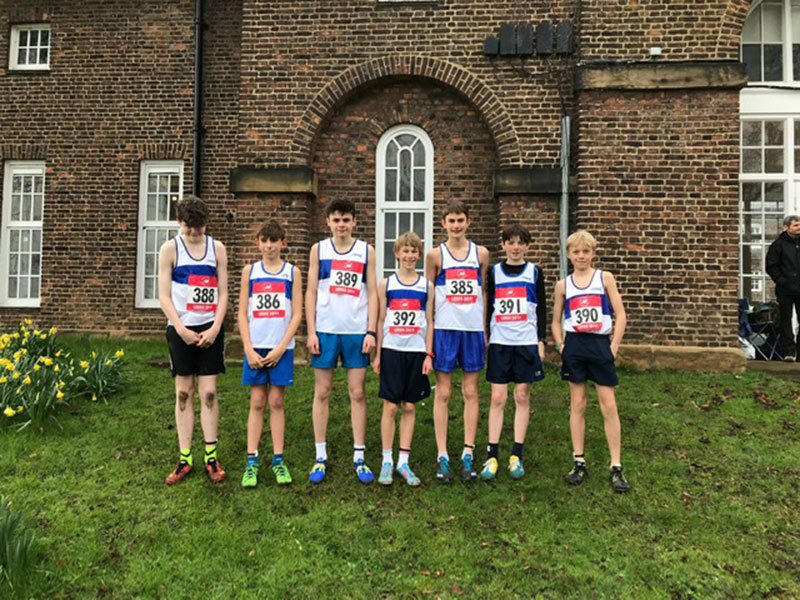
{"x":30,"y":47}
{"x":769,"y":177}
{"x":160,"y":189}
{"x":403,"y":192}
{"x":21,"y":233}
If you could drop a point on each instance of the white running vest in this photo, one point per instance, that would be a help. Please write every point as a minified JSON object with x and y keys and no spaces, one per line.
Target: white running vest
{"x":342,"y":300}
{"x":514,"y":311}
{"x":459,"y":292}
{"x":405,"y":326}
{"x":194,"y":284}
{"x":269,"y":308}
{"x":587,"y":310}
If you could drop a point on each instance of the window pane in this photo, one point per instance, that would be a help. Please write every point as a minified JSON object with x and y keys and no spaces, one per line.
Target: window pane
{"x":773,"y":160}
{"x":753,"y":259}
{"x":419,"y":185}
{"x":44,"y":38}
{"x":773,"y":132}
{"x":13,"y":264}
{"x":751,"y":228}
{"x":163,"y":207}
{"x":173,"y":201}
{"x":173,"y":184}
{"x":405,"y":140}
{"x":33,"y":37}
{"x":27,"y":184}
{"x":390,"y":226}
{"x":27,"y":207}
{"x":150,"y":240}
{"x":34,"y":287}
{"x":773,"y":22}
{"x":152,"y":184}
{"x":38,"y":184}
{"x":25,"y":240}
{"x":419,"y":225}
{"x":22,"y":56}
{"x":388,"y":255}
{"x":43,"y":53}
{"x":36,"y":238}
{"x":405,"y":222}
{"x":751,"y":161}
{"x":150,"y":264}
{"x":12,"y":287}
{"x":796,"y":62}
{"x":751,"y":133}
{"x":391,"y":154}
{"x":14,"y":239}
{"x":16,"y":184}
{"x":751,"y":196}
{"x":36,"y":264}
{"x":23,"y":38}
{"x":773,"y":62}
{"x":22,"y":287}
{"x":391,"y":185}
{"x":419,"y":154}
{"x":24,"y":264}
{"x":405,"y":176}
{"x":752,"y":27}
{"x":16,"y":207}
{"x":752,"y":289}
{"x":751,"y":57}
{"x":37,"y":207}
{"x":151,"y":207}
{"x":774,"y":227}
{"x":773,"y":196}
{"x":149,"y":288}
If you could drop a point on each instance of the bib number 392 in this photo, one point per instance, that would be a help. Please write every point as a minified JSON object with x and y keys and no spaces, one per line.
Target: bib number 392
{"x":203,"y":293}
{"x":404,"y":316}
{"x":346,"y":277}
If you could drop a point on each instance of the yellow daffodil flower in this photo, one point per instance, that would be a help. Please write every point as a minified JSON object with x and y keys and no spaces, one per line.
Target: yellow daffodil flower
{"x":60,"y":395}
{"x":119,"y":353}
{"x":9,"y":412}
{"x":27,"y":380}
{"x":94,"y":397}
{"x":85,"y":364}
{"x":36,"y":367}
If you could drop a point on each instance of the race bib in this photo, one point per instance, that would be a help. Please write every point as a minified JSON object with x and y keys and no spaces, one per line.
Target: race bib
{"x":269,"y":299}
{"x":587,"y":313}
{"x":461,"y":286}
{"x":202,"y":293}
{"x":404,"y":316}
{"x":510,"y":304}
{"x":346,"y":276}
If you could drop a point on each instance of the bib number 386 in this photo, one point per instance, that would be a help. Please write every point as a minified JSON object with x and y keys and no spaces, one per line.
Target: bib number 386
{"x":269,"y":299}
{"x":203,"y":294}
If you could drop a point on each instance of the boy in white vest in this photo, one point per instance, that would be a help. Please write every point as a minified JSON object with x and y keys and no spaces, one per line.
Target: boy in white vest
{"x":341,"y":312}
{"x":193,"y":292}
{"x":586,"y":304}
{"x":270,"y":309}
{"x":517,"y":316}
{"x":405,"y":352}
{"x":457,"y":269}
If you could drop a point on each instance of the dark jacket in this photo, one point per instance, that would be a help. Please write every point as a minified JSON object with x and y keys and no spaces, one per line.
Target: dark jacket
{"x":783,"y":265}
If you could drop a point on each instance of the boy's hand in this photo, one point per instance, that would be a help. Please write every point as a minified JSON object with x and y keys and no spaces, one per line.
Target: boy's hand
{"x":427,"y":366}
{"x":541,"y":351}
{"x":312,"y":343}
{"x":254,"y":359}
{"x":273,"y":357}
{"x":376,"y":364}
{"x":369,"y":344}
{"x":207,"y":337}
{"x":190,"y":337}
{"x":614,"y":349}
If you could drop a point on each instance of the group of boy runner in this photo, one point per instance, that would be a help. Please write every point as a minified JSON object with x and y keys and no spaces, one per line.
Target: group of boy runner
{"x":462,"y":314}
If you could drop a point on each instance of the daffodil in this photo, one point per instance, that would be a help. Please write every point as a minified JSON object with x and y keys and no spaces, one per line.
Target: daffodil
{"x":46,"y":360}
{"x":59,"y":395}
{"x":108,"y":362}
{"x":9,"y":412}
{"x":119,"y":353}
{"x":61,"y":384}
{"x":94,"y":354}
{"x":94,"y":397}
{"x":85,"y":364}
{"x":56,"y":368}
{"x":58,"y":354}
{"x":43,"y":336}
{"x":3,"y":379}
{"x":52,"y":330}
{"x":36,"y":367}
{"x":36,"y":332}
{"x":15,"y":375}
{"x":20,"y":408}
{"x":27,"y":380}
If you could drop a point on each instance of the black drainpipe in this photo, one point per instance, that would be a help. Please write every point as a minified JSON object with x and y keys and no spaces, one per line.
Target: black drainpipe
{"x":199,"y":130}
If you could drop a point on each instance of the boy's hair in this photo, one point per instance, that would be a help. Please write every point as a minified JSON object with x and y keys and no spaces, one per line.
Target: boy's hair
{"x":342,"y":206}
{"x":192,"y":211}
{"x":516,"y":230}
{"x":408,"y":239}
{"x":271,"y":230}
{"x":582,"y":237}
{"x":455,"y":207}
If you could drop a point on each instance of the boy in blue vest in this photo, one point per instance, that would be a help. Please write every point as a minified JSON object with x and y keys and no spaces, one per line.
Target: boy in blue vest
{"x":405,"y":348}
{"x":341,"y":312}
{"x":517,"y":316}
{"x":588,"y":302}
{"x":270,"y":309}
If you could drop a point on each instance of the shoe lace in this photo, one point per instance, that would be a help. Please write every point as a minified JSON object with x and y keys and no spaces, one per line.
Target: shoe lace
{"x":213,"y":464}
{"x":444,"y":464}
{"x":468,"y":462}
{"x":280,"y":469}
{"x":182,"y":464}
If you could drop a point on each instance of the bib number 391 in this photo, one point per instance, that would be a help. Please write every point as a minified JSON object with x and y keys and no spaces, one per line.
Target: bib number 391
{"x":203,"y":294}
{"x":511,"y":304}
{"x":346,"y":277}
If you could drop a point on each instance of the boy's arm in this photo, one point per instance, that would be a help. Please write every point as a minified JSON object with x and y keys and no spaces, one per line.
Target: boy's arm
{"x":558,"y":310}
{"x":620,"y":318}
{"x":427,"y":365}
{"x":484,"y":257}
{"x":489,"y":308}
{"x":372,"y":297}
{"x":243,"y":320}
{"x":376,"y":363}
{"x":312,"y":342}
{"x":433,"y":263}
{"x":541,"y":312}
{"x":208,"y":336}
{"x":166,"y":262}
{"x":274,"y":356}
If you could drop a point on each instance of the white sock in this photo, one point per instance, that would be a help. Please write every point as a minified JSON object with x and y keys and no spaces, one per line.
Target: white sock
{"x":467,"y":451}
{"x":443,"y":455}
{"x":387,"y":456}
{"x":358,"y":453}
{"x":322,"y":451}
{"x":402,"y":458}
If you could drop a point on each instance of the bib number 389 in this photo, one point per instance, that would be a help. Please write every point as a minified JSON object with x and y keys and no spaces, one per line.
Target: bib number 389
{"x":346,"y":277}
{"x":203,"y":294}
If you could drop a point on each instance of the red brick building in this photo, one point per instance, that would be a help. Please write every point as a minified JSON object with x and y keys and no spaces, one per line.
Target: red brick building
{"x":401,"y":106}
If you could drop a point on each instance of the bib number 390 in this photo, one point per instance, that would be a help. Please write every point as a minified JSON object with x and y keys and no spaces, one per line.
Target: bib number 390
{"x":203,"y":293}
{"x":587,"y":313}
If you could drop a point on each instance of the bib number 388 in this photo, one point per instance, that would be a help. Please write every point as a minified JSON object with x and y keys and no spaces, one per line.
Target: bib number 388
{"x":203,"y":293}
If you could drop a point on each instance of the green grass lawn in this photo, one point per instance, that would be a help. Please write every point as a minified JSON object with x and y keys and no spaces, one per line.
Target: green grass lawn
{"x":712,"y":459}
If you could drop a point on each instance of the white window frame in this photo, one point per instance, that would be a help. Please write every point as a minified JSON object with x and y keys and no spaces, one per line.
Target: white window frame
{"x":382,"y":205}
{"x":12,"y":168}
{"x":147,"y":168}
{"x":13,"y":53}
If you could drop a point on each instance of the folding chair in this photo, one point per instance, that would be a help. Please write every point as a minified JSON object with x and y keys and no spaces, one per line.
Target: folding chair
{"x":765,"y":333}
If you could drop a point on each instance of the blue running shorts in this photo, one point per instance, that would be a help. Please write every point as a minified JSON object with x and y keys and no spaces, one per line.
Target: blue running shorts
{"x":454,"y":349}
{"x":334,"y":345}
{"x":280,"y":374}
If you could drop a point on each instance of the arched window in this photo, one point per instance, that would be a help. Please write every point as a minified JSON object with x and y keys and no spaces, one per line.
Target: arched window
{"x":403,"y":192}
{"x":769,"y":177}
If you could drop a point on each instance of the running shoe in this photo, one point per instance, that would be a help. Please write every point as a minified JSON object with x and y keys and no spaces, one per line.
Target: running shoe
{"x":577,"y":474}
{"x":317,"y":474}
{"x":618,"y":482}
{"x":215,"y":471}
{"x":407,"y":474}
{"x":468,"y":472}
{"x":385,"y":478}
{"x":363,"y":472}
{"x":515,"y":467}
{"x":282,"y":475}
{"x":250,"y":477}
{"x":489,"y":469}
{"x":181,"y":470}
{"x":443,"y":472}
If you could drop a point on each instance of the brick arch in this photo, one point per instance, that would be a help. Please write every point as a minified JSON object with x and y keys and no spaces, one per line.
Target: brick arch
{"x":731,"y":24}
{"x":462,"y":81}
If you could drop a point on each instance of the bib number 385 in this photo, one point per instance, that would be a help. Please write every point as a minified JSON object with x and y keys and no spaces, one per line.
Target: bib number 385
{"x":462,"y":286}
{"x":203,"y":293}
